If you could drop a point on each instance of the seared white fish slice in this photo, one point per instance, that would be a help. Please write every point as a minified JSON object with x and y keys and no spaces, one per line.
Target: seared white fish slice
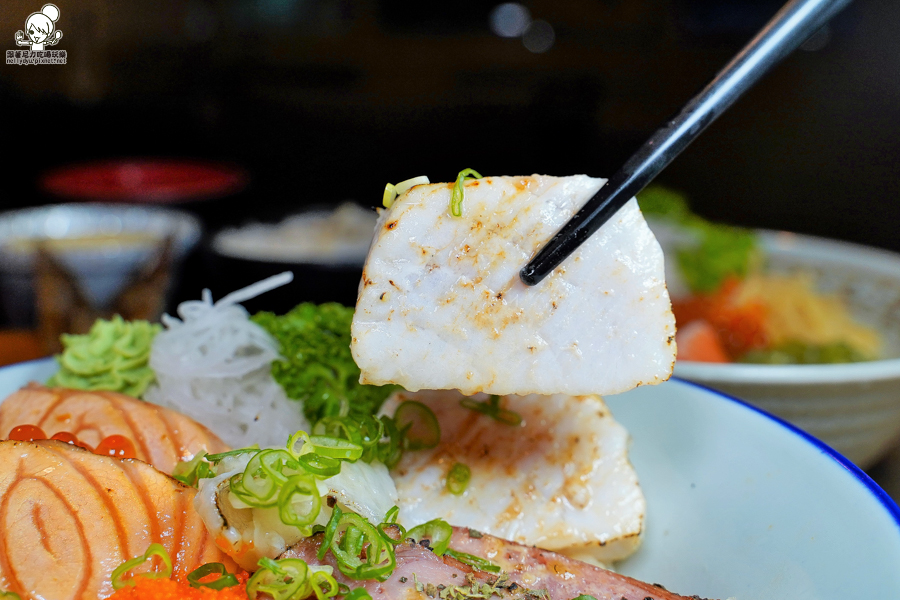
{"x":441,"y":305}
{"x":561,"y":480}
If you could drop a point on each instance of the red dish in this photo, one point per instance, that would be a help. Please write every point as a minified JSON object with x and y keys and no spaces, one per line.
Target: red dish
{"x":144,"y":181}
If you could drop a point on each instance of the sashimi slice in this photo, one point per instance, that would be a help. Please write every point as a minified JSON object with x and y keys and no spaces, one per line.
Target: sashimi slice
{"x":441,"y":305}
{"x":560,"y":479}
{"x":526,"y":573}
{"x":69,"y":517}
{"x":161,"y":437}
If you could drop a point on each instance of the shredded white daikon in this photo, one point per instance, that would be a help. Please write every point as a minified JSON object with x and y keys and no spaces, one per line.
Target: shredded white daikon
{"x":214,"y":365}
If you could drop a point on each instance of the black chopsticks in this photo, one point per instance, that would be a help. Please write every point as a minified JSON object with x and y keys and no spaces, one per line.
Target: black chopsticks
{"x":789,"y":28}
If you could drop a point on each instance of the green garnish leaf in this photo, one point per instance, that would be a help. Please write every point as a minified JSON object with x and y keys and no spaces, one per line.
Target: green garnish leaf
{"x":456,"y":199}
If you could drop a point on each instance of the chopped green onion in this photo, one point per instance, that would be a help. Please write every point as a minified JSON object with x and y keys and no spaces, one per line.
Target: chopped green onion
{"x":390,"y":194}
{"x":224,"y":580}
{"x":456,"y":199}
{"x":336,"y":448}
{"x":285,"y":579}
{"x":458,"y":478}
{"x":317,"y":577}
{"x":392,"y":191}
{"x":390,"y":520}
{"x":584,"y":597}
{"x":4,"y":595}
{"x":436,"y":531}
{"x":153,"y":550}
{"x":299,"y":491}
{"x":419,"y":425}
{"x":214,"y":458}
{"x":390,"y":517}
{"x":192,"y":471}
{"x":491,"y":408}
{"x":322,"y":466}
{"x":348,"y":535}
{"x":409,"y":183}
{"x":482,"y":564}
{"x":358,"y":594}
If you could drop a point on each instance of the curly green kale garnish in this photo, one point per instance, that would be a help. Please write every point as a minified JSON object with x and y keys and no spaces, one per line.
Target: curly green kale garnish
{"x":317,"y":367}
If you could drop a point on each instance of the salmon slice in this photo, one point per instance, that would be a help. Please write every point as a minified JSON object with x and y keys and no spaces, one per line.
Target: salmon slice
{"x":527,"y":573}
{"x":161,"y":437}
{"x":441,"y":305}
{"x":69,"y":517}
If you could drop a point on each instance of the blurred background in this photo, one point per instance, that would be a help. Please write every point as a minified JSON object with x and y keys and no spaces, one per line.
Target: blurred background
{"x":311,"y":103}
{"x":249,"y":112}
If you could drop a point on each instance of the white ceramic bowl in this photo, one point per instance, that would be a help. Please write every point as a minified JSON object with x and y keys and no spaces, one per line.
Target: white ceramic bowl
{"x":739,"y":503}
{"x":853,"y":407}
{"x":101,"y":269}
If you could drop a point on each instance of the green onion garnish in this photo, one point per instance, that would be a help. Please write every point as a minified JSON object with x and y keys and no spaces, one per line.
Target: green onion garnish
{"x":192,"y":471}
{"x":482,"y":564}
{"x":456,"y":198}
{"x":358,"y":594}
{"x":458,"y":478}
{"x":4,"y":595}
{"x":390,"y":194}
{"x":299,"y":502}
{"x":584,"y":597}
{"x":285,"y":579}
{"x":153,"y":550}
{"x":333,"y":447}
{"x":348,"y":536}
{"x":392,"y":191}
{"x":214,"y":458}
{"x":436,"y":531}
{"x":491,"y":408}
{"x":224,"y":580}
{"x":419,"y":425}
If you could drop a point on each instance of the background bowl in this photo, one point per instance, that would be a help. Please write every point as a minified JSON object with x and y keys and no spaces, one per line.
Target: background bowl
{"x":853,"y":407}
{"x":101,"y":246}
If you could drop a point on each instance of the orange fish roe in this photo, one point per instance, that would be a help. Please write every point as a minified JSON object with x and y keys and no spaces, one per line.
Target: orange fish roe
{"x":146,"y":588}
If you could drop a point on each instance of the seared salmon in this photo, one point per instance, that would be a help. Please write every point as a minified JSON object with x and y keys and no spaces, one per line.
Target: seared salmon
{"x":69,"y":517}
{"x":161,"y":437}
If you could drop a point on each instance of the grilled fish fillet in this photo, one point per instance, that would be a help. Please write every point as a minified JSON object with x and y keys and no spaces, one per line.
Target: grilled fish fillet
{"x":441,"y":305}
{"x":527,"y":573}
{"x":560,"y":480}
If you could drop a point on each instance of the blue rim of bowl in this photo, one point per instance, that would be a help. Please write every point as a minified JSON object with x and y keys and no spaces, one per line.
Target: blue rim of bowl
{"x":886,"y":501}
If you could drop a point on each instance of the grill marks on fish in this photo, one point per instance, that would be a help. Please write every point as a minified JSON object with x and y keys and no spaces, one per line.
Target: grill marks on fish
{"x":161,"y":436}
{"x":68,"y":518}
{"x":527,"y":573}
